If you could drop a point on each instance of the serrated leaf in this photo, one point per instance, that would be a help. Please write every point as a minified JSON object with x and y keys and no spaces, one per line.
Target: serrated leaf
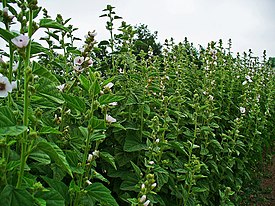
{"x":38,"y":48}
{"x":49,"y":23}
{"x":132,"y":144}
{"x":136,"y":169}
{"x":98,"y":124}
{"x":6,"y":35}
{"x":108,"y":158}
{"x":49,"y":130}
{"x":7,"y":117}
{"x":40,"y":157}
{"x":59,"y":187}
{"x":100,"y":193}
{"x":12,"y":130}
{"x":41,"y":71}
{"x":55,"y":154}
{"x":52,"y":197}
{"x":109,"y":98}
{"x":75,"y":102}
{"x":11,"y":196}
{"x":84,"y":82}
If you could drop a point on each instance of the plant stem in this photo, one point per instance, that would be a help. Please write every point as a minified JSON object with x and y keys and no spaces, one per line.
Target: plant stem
{"x":23,"y":158}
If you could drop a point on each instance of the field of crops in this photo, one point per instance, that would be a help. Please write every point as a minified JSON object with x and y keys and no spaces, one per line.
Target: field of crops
{"x":127,"y":121}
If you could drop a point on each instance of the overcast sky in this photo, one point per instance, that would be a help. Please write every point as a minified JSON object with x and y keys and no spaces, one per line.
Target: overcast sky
{"x":249,"y":23}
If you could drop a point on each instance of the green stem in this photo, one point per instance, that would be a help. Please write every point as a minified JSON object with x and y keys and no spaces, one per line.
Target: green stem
{"x":23,"y":157}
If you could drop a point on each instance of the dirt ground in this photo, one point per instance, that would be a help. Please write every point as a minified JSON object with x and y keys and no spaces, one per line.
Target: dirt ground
{"x":268,"y":185}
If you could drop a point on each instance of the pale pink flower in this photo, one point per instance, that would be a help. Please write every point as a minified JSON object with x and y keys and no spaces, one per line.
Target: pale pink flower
{"x":88,"y":182}
{"x":242,"y":110}
{"x":14,"y":84}
{"x":153,"y":185}
{"x":90,"y":157}
{"x":142,"y":199}
{"x":61,"y":87}
{"x":21,"y":41}
{"x":109,"y":85}
{"x":113,"y":104}
{"x":110,"y":119}
{"x":146,"y":203}
{"x":78,"y":60}
{"x":5,"y":86}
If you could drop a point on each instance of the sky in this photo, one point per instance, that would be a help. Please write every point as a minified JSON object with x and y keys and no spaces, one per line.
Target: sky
{"x":249,"y":23}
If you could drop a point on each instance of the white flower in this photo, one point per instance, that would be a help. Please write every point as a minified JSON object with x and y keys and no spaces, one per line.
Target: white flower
{"x":153,"y":185}
{"x":151,"y":162}
{"x":20,"y":41}
{"x":14,"y":84}
{"x":120,"y":70}
{"x":142,"y":186}
{"x":113,"y":104}
{"x":78,"y":60}
{"x":95,"y":153}
{"x":157,"y":140}
{"x":90,"y":157}
{"x":248,"y":78}
{"x":5,"y":10}
{"x":78,"y":68}
{"x":5,"y":86}
{"x":61,"y":87}
{"x":2,"y":61}
{"x":15,"y":67}
{"x":142,"y":199}
{"x":88,"y":182}
{"x":90,"y":62}
{"x":146,"y":203}
{"x":211,"y":97}
{"x":244,"y":83}
{"x":110,"y":119}
{"x":109,"y":85}
{"x":242,"y":110}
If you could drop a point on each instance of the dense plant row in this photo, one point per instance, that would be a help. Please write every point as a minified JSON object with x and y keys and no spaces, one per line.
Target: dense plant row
{"x":126,"y":121}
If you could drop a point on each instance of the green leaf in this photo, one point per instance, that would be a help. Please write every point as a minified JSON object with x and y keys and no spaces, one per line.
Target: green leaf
{"x":84,"y":131}
{"x":95,"y":87}
{"x":216,"y":143}
{"x":52,"y":197}
{"x":132,"y":144}
{"x":56,"y":154}
{"x":11,"y":196}
{"x":49,"y":23}
{"x":137,"y":170}
{"x":84,"y":82}
{"x":7,"y":117}
{"x":100,"y":193}
{"x":59,"y":187}
{"x":199,"y":189}
{"x":38,"y":48}
{"x":98,"y":136}
{"x":49,"y":130}
{"x":6,"y":35}
{"x":12,"y":130}
{"x":98,"y":124}
{"x":108,"y":158}
{"x":75,"y":102}
{"x":162,"y":175}
{"x":41,"y":71}
{"x":40,"y":157}
{"x":109,"y":98}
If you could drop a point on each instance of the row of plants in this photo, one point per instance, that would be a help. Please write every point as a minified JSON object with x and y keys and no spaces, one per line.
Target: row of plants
{"x":126,"y":121}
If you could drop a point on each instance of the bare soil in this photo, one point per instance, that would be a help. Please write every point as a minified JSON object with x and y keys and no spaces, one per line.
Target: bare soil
{"x":268,"y":185}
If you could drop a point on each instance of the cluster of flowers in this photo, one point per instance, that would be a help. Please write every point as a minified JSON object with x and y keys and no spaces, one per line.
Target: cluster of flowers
{"x":6,"y":86}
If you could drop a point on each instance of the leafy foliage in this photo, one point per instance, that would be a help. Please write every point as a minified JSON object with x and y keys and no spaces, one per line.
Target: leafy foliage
{"x":128,"y":121}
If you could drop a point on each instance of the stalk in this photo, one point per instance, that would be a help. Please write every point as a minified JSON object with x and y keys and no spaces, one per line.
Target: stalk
{"x":23,"y":158}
